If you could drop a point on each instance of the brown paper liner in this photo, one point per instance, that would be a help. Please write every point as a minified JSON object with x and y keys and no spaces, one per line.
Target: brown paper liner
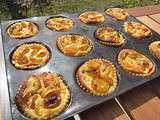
{"x":111,"y":44}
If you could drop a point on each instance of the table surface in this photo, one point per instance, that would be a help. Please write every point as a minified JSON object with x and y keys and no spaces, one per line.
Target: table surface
{"x":141,"y":103}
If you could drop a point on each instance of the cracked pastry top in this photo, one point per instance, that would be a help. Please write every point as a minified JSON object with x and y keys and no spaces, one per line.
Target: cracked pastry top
{"x":43,"y":96}
{"x":137,"y":30}
{"x":91,"y":17}
{"x":135,"y":63}
{"x":30,"y":56}
{"x":109,"y":36}
{"x":97,"y":77}
{"x":60,"y":23}
{"x":154,"y":48}
{"x":22,"y":29}
{"x":74,"y":45}
{"x":117,"y":13}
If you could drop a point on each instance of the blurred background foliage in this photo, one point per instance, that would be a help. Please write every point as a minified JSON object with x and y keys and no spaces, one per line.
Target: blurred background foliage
{"x":16,"y":9}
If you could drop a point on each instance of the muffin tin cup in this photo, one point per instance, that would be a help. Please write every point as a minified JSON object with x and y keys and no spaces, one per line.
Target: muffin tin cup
{"x":21,"y":38}
{"x":92,"y":92}
{"x":114,"y":16}
{"x":59,"y":16}
{"x":50,"y":55}
{"x":156,"y":55}
{"x":110,"y":44}
{"x":20,"y":88}
{"x":84,"y":54}
{"x":141,"y":37}
{"x":67,"y":66}
{"x":91,"y":23}
{"x":136,"y":74}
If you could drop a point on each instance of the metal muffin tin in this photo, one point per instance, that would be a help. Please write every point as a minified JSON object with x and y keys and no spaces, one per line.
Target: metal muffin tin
{"x":67,"y":66}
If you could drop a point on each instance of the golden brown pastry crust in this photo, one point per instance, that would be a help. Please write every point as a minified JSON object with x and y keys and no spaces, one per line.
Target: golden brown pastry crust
{"x":30,"y":56}
{"x":43,"y":96}
{"x":22,"y":29}
{"x":137,"y":30}
{"x":60,"y":23}
{"x":74,"y":45}
{"x":154,"y":48}
{"x":109,"y":36}
{"x":135,"y":63}
{"x":117,"y":13}
{"x":91,"y":17}
{"x":97,"y":77}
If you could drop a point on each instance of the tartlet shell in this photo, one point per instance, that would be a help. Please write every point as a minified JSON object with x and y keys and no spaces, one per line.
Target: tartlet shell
{"x":59,"y":17}
{"x":136,"y":74}
{"x":32,"y":68}
{"x":96,"y":93}
{"x":63,"y":51}
{"x":22,"y":87}
{"x":116,"y":18}
{"x":152,"y":51}
{"x":79,"y":17}
{"x":110,"y":43}
{"x":7,"y":30}
{"x":137,"y":37}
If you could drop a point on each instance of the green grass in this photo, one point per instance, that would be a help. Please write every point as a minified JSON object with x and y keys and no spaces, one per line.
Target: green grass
{"x":72,"y":6}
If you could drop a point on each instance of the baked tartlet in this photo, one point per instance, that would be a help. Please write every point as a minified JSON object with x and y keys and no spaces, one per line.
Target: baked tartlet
{"x":137,"y":30}
{"x":43,"y":96}
{"x":97,"y":77}
{"x":109,"y":36}
{"x":117,"y":13}
{"x":74,"y":45}
{"x":135,"y":63}
{"x":22,"y":29}
{"x":91,"y":17}
{"x":60,"y":23}
{"x":30,"y":55}
{"x":154,"y":48}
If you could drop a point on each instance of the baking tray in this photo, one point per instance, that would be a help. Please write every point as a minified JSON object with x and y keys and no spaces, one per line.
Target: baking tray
{"x":67,"y":66}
